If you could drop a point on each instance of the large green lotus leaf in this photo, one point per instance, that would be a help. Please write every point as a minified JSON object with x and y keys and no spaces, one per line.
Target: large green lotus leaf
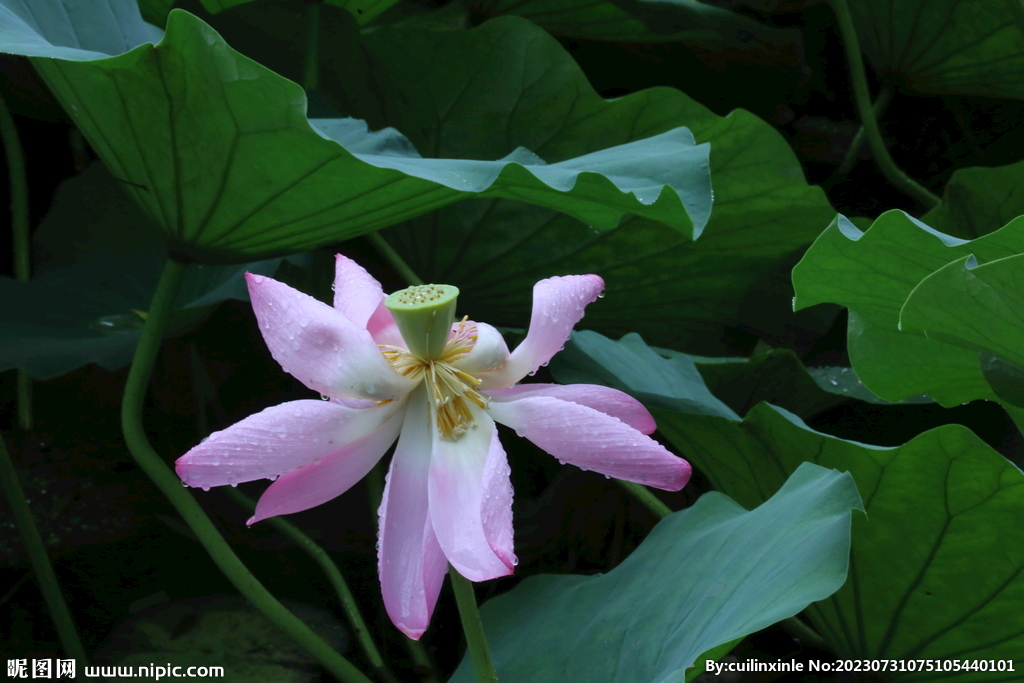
{"x":704,"y":576}
{"x":979,"y":307}
{"x":778,"y":377}
{"x":950,"y":47}
{"x":702,"y":27}
{"x":1006,"y":380}
{"x":673,"y":383}
{"x":155,"y":11}
{"x":727,"y":387}
{"x":362,"y":10}
{"x":977,"y":201}
{"x":510,"y":76}
{"x":937,"y":566}
{"x":872,"y":273}
{"x":219,"y":153}
{"x":98,"y":269}
{"x":937,"y":569}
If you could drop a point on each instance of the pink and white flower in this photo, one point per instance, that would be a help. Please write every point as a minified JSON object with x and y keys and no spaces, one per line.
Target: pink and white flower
{"x":448,"y":497}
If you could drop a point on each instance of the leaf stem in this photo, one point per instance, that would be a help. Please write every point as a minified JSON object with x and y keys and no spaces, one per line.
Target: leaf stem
{"x":473,"y":627}
{"x":799,"y":629}
{"x":45,"y":575}
{"x":392,"y":257}
{"x":862,"y":96}
{"x":881,"y":102}
{"x":19,"y":224}
{"x":186,"y":505}
{"x":345,"y":597}
{"x":644,"y":496}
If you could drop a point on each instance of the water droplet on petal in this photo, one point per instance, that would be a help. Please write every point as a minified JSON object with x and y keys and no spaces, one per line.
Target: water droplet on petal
{"x":206,"y":488}
{"x":317,"y":461}
{"x":234,"y":484}
{"x":325,"y":397}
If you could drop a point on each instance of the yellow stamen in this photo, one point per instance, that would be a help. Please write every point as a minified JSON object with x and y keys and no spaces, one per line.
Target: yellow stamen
{"x":450,"y":390}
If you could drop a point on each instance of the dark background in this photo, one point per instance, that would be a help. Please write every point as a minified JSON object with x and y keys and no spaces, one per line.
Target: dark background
{"x":120,"y":549}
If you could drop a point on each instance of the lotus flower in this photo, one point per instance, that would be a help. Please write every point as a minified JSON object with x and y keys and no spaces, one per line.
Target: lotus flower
{"x":448,"y":497}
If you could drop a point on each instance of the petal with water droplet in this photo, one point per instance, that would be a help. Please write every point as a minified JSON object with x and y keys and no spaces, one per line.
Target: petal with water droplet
{"x":249,"y":449}
{"x":329,"y":354}
{"x":558,"y":304}
{"x":576,"y":433}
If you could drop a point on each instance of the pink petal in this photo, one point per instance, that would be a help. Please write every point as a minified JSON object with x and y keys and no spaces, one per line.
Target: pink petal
{"x":591,"y":440}
{"x":319,"y":346}
{"x":558,"y":304}
{"x":329,"y":477}
{"x":609,"y":401}
{"x":278,"y":440}
{"x":457,"y":507}
{"x":410,"y":561}
{"x":488,"y":353}
{"x":497,"y":503}
{"x":383,"y":328}
{"x":356,"y":293}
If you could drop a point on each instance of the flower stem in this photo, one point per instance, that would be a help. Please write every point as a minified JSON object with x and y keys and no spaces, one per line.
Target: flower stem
{"x":169,"y":484}
{"x":345,"y":597}
{"x":19,"y":224}
{"x":37,"y":556}
{"x":859,"y":80}
{"x":473,"y":627}
{"x":392,"y":257}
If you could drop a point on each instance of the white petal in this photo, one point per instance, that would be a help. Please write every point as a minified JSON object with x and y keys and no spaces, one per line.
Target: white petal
{"x":488,"y":353}
{"x":410,"y":561}
{"x":456,"y":489}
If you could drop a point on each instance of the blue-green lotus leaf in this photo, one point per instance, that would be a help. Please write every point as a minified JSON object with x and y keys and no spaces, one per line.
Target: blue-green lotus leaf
{"x":219,"y":153}
{"x":937,"y":565}
{"x":704,"y":576}
{"x":872,"y":273}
